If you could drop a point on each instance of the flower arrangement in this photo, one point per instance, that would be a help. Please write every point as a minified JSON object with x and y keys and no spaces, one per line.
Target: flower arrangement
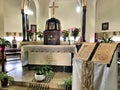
{"x":30,"y":32}
{"x":75,"y":32}
{"x":40,"y":34}
{"x":65,"y":33}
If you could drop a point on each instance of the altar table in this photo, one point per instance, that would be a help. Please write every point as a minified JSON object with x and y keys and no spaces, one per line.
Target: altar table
{"x":47,"y":54}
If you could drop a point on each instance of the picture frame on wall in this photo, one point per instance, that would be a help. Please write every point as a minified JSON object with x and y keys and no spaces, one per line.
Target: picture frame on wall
{"x":34,"y":27}
{"x":105,"y":26}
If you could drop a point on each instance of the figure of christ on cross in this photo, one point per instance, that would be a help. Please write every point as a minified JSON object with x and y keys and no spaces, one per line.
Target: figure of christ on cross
{"x":53,"y":9}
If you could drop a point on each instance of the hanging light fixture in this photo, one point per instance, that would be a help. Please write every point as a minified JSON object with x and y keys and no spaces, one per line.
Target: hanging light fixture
{"x":27,"y":8}
{"x":78,"y":9}
{"x":28,"y":11}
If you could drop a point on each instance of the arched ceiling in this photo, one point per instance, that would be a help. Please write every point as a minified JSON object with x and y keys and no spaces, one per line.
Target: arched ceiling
{"x":51,"y":1}
{"x":37,"y":10}
{"x":38,"y":4}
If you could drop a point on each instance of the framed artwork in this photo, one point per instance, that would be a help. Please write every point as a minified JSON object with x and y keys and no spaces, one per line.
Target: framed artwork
{"x":34,"y":27}
{"x":51,"y":25}
{"x":105,"y":26}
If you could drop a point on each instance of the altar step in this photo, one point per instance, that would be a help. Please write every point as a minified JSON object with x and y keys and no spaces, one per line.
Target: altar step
{"x":34,"y":86}
{"x":23,"y":77}
{"x":26,"y":82}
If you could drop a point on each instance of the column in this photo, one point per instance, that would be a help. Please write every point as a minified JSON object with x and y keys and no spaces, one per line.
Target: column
{"x":84,"y":23}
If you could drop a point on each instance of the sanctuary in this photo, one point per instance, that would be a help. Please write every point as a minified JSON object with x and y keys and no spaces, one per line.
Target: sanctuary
{"x":51,"y":51}
{"x":93,"y":65}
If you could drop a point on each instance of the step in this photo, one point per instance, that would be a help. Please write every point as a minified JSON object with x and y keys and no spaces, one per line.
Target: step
{"x":14,"y":87}
{"x":25,"y":82}
{"x":36,"y":85}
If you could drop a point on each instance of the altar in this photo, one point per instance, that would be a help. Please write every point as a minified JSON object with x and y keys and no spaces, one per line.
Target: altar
{"x":59,"y":55}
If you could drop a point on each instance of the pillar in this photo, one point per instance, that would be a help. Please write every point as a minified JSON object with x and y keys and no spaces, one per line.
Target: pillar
{"x":84,"y":23}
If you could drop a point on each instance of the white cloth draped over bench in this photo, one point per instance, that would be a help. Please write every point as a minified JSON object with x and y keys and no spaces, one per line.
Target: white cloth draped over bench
{"x":105,"y":78}
{"x":47,"y":54}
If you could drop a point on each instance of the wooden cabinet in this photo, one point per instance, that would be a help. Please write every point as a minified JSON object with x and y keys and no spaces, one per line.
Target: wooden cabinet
{"x":52,"y":37}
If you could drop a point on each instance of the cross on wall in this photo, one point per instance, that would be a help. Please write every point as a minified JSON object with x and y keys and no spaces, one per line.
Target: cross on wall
{"x":53,"y":9}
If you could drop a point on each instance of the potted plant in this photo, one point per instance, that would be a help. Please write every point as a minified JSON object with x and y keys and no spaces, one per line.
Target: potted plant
{"x":75,"y":32}
{"x":3,"y":43}
{"x":39,"y":34}
{"x":67,"y":84}
{"x":41,"y":72}
{"x":107,"y":40}
{"x":30,"y":34}
{"x":65,"y":34}
{"x":6,"y":79}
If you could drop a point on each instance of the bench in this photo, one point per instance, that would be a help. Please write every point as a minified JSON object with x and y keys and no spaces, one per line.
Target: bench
{"x":12,"y":53}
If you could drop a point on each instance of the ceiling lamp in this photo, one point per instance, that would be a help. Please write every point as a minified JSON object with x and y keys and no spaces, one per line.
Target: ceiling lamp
{"x":28,"y":12}
{"x":78,"y":9}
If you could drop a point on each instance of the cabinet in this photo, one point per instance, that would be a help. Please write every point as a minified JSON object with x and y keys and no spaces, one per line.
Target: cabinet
{"x":52,"y":37}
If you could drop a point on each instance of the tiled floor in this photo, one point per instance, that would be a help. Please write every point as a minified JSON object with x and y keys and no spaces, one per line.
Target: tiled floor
{"x":23,"y":76}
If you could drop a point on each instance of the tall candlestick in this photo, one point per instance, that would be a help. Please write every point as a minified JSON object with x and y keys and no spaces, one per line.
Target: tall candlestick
{"x":69,"y":35}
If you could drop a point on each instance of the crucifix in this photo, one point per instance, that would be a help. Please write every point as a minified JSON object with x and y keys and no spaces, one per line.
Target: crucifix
{"x":53,"y":8}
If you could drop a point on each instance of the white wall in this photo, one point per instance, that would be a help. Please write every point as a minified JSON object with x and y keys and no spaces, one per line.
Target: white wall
{"x":43,"y":13}
{"x":66,"y":13}
{"x":32,"y":18}
{"x":13,"y":16}
{"x":1,"y":18}
{"x":90,"y":20}
{"x":108,"y":11}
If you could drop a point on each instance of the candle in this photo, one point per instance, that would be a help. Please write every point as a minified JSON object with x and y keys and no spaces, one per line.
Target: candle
{"x":69,"y":35}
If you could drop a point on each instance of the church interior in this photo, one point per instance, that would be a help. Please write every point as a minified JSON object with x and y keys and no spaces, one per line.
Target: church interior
{"x":75,"y":49}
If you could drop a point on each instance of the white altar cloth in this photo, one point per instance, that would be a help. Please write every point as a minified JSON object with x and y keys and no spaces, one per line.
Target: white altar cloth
{"x":49,"y":48}
{"x":105,"y":78}
{"x":28,"y":51}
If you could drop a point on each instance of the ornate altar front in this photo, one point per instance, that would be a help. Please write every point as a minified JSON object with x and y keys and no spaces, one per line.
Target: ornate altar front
{"x":58,"y":55}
